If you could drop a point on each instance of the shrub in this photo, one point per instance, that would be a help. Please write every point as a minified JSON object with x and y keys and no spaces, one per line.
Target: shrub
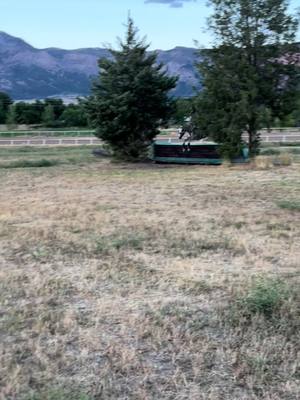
{"x":265,"y":296}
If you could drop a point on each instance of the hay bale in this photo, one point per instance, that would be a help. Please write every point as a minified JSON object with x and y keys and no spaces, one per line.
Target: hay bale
{"x":263,"y":162}
{"x":283,"y":160}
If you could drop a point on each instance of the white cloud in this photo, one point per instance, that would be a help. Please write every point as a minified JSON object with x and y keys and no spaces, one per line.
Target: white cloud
{"x":171,"y":3}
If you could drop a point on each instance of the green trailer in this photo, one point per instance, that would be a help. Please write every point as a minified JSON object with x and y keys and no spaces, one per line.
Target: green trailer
{"x":196,"y":152}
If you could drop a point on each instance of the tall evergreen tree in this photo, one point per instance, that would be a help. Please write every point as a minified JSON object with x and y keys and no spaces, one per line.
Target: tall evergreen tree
{"x":130,"y":99}
{"x":251,"y":70}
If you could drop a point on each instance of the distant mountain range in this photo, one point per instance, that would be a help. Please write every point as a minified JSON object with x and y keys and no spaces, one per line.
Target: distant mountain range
{"x":30,"y":73}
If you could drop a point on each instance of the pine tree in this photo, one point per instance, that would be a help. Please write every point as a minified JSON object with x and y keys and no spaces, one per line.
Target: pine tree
{"x":130,"y":98}
{"x":251,"y":71}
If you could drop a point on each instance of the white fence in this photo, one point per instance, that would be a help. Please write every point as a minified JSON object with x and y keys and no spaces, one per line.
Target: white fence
{"x":277,"y":135}
{"x":49,"y":141}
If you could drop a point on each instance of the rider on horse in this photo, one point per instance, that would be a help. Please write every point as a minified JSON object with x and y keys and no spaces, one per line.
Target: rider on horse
{"x":186,"y":133}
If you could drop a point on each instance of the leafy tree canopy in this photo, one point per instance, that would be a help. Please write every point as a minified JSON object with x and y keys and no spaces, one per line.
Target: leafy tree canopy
{"x":251,"y":71}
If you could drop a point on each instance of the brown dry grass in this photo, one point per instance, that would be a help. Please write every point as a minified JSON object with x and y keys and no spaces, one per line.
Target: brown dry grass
{"x":119,"y":282}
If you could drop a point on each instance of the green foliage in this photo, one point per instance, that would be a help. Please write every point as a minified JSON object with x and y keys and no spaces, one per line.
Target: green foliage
{"x":74,"y":115}
{"x":292,"y":119}
{"x":294,"y":151}
{"x":57,"y":394}
{"x":265,"y":296}
{"x":270,"y":152}
{"x":11,"y":117}
{"x":183,"y":109}
{"x":251,"y":74}
{"x":28,"y":113}
{"x":130,"y":98}
{"x":48,"y":117}
{"x":289,"y":205}
{"x":57,"y":106}
{"x":288,"y":144}
{"x":5,"y":102}
{"x":133,"y":241}
{"x":50,"y":113}
{"x":30,"y":164}
{"x":295,"y":115}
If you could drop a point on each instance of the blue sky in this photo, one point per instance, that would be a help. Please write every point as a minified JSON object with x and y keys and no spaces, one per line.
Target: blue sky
{"x":91,"y":23}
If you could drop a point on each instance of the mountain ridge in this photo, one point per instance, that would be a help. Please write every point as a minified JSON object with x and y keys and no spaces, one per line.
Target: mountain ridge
{"x":30,"y":73}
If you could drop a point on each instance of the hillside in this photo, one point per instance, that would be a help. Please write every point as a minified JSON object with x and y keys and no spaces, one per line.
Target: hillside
{"x":30,"y":73}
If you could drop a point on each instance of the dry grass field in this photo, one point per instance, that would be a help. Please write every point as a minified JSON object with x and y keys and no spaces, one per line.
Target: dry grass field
{"x":148,"y":282}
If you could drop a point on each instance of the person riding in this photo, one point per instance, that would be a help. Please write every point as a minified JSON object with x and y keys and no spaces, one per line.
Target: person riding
{"x":186,"y":134}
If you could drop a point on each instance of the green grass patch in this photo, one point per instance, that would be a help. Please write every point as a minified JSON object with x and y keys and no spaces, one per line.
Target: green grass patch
{"x":292,"y":205}
{"x":106,"y":244}
{"x":276,"y":149}
{"x":295,"y":150}
{"x":270,"y":152}
{"x":57,"y":394}
{"x":134,"y":242}
{"x":265,"y":296}
{"x":15,"y":151}
{"x":16,"y":157}
{"x":42,"y":163}
{"x":289,"y":144}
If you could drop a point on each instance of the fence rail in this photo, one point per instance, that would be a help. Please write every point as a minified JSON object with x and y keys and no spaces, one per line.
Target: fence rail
{"x":266,"y":137}
{"x":44,"y":133}
{"x":90,"y":132}
{"x":49,"y":142}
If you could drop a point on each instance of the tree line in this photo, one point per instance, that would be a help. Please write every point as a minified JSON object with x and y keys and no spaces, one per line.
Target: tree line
{"x":73,"y":115}
{"x":50,"y":113}
{"x":250,"y":79}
